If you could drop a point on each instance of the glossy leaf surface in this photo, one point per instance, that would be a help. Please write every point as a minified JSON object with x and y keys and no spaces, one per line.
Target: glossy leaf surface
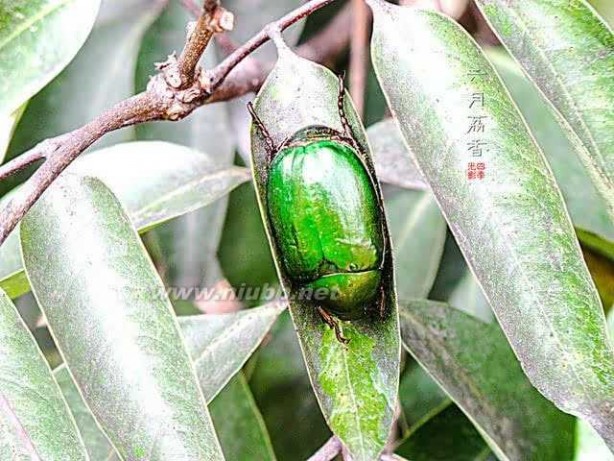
{"x":37,"y":40}
{"x":34,"y":420}
{"x":356,"y":384}
{"x":566,"y":49}
{"x":111,"y":320}
{"x":473,"y":363}
{"x":510,"y":223}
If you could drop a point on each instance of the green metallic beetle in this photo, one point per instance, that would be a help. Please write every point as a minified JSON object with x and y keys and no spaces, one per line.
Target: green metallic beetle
{"x":327,"y":223}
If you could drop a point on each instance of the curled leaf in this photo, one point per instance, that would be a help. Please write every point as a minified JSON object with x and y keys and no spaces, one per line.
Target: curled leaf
{"x":356,"y":384}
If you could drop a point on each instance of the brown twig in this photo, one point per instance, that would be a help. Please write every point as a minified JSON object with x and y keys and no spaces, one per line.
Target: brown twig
{"x":219,"y":74}
{"x":163,"y":100}
{"x":323,"y":48}
{"x":331,"y":41}
{"x":359,"y":55}
{"x":22,"y":162}
{"x":328,"y":451}
{"x":214,"y":19}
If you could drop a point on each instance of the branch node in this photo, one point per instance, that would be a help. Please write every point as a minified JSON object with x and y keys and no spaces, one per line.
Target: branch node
{"x":179,"y":87}
{"x":222,"y":20}
{"x":170,"y":70}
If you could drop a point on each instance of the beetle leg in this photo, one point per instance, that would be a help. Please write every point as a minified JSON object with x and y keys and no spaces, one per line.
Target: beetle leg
{"x":334,"y":324}
{"x":347,"y":128}
{"x":382,"y":302}
{"x":270,"y":145}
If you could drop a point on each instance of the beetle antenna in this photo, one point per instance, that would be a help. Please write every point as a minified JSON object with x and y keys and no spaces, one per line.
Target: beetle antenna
{"x":334,"y":324}
{"x":347,"y":129}
{"x":270,"y":145}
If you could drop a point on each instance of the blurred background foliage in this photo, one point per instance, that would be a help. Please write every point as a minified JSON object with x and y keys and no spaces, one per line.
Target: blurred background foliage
{"x":226,"y":241}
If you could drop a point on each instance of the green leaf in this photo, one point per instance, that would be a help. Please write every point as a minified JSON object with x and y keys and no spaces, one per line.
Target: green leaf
{"x":224,"y":343}
{"x":239,"y":424}
{"x":590,"y":446}
{"x":157,"y":182}
{"x":596,"y":243}
{"x":34,"y":420}
{"x":512,"y":225}
{"x":356,"y":384}
{"x":37,"y":40}
{"x":420,"y":395}
{"x":469,"y":298}
{"x":113,"y":323}
{"x":280,"y":382}
{"x":244,"y":251}
{"x":392,"y":162}
{"x":605,"y":8}
{"x":418,"y":234}
{"x":566,"y":49}
{"x":586,"y":206}
{"x":473,"y":363}
{"x":101,"y":75}
{"x":205,"y":336}
{"x":188,"y":245}
{"x":96,"y":443}
{"x":7,"y":126}
{"x":250,"y":17}
{"x":446,"y":435}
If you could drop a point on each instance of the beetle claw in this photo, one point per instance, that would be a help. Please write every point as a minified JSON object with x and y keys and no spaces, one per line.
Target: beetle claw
{"x":333,"y":324}
{"x":269,"y":143}
{"x":342,"y":339}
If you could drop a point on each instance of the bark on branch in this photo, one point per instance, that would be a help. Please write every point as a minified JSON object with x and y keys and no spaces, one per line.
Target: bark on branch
{"x":175,"y":92}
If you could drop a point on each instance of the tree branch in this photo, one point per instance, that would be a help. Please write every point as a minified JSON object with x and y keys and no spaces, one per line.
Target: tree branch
{"x":328,"y":451}
{"x":20,"y":163}
{"x":214,"y":19}
{"x":323,"y":48}
{"x":173,"y":94}
{"x":219,"y":74}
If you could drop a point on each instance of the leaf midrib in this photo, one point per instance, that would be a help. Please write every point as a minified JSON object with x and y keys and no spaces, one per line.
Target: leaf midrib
{"x":39,"y":17}
{"x":232,"y":172}
{"x":463,"y":377}
{"x":356,"y":411}
{"x":15,"y":422}
{"x":563,"y":87}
